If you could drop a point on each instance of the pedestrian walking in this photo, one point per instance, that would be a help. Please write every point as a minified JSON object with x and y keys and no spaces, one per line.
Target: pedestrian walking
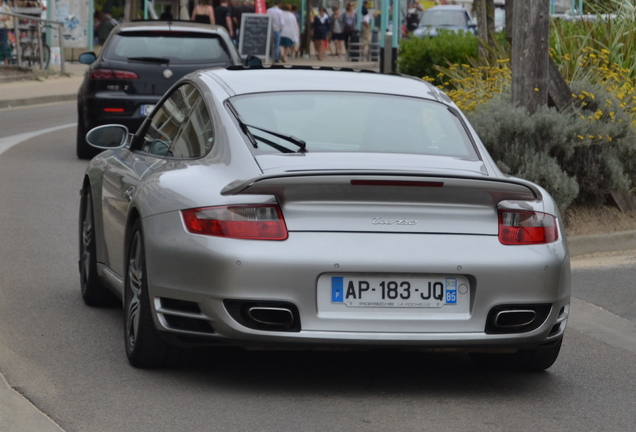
{"x":337,"y":31}
{"x":166,"y":15}
{"x":413,"y":15}
{"x":6,"y":24}
{"x":103,"y":25}
{"x":203,"y":13}
{"x":276,"y":14}
{"x":365,"y":32}
{"x":320,"y":28}
{"x":237,"y":14}
{"x":350,"y":20}
{"x":223,"y":17}
{"x":294,"y":10}
{"x":289,"y":35}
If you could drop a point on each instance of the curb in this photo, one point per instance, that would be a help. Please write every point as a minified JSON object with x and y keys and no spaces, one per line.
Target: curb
{"x":37,"y":100}
{"x":19,"y":414}
{"x":614,"y":242}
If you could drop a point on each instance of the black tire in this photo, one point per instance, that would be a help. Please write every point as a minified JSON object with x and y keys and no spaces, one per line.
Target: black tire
{"x":530,"y":360}
{"x":144,"y":346}
{"x":83,"y":150}
{"x":93,"y":292}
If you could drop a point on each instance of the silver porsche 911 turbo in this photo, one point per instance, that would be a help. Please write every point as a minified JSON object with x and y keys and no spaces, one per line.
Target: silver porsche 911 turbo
{"x":316,"y":209}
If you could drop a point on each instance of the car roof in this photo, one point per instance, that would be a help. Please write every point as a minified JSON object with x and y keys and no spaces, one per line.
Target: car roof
{"x":446,"y":7}
{"x":167,"y":26}
{"x":241,"y":81}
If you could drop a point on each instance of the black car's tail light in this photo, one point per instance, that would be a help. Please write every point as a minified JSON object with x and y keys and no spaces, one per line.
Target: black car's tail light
{"x":526,"y":227}
{"x":111,"y":74}
{"x":255,"y":222}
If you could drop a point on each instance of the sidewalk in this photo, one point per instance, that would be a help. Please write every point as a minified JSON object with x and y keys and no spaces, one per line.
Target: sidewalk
{"x":58,"y":88}
{"x":55,"y":88}
{"x":17,"y":414}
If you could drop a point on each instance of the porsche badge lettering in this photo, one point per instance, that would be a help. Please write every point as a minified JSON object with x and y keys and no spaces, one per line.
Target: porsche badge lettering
{"x":380,"y":221}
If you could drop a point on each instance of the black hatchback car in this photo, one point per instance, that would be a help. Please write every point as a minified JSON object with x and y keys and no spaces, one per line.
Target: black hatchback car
{"x":138,"y":63}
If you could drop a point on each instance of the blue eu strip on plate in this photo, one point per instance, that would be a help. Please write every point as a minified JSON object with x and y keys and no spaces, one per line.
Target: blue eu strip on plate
{"x":337,"y":289}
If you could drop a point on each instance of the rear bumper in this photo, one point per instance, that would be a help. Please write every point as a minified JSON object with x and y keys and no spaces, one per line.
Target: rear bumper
{"x":208,"y":270}
{"x":94,"y":109}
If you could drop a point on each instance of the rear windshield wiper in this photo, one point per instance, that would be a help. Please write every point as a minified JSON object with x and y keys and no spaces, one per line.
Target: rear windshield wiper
{"x":289,"y":138}
{"x":160,"y":60}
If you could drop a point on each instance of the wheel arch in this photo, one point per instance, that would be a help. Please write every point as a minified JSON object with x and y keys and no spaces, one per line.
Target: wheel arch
{"x":133,"y":216}
{"x":90,"y":182}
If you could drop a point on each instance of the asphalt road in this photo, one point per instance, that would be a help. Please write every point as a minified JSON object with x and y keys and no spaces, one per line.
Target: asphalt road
{"x":68,"y":359}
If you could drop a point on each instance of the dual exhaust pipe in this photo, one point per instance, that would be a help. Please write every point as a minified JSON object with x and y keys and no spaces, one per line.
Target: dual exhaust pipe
{"x":264,"y":315}
{"x":271,"y":316}
{"x":516,"y":318}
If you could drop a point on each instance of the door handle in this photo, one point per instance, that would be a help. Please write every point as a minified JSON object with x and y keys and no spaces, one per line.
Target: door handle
{"x":128,"y":194}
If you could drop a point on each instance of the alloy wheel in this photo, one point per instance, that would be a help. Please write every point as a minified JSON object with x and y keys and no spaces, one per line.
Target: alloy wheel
{"x":87,"y":242}
{"x":135,"y":282}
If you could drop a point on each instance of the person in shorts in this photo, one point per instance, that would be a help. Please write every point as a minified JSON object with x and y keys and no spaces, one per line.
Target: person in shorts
{"x":320,"y":29}
{"x":290,"y":33}
{"x":337,"y":31}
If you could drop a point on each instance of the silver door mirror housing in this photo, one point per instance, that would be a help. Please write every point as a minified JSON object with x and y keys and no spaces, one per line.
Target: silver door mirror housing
{"x":107,"y":137}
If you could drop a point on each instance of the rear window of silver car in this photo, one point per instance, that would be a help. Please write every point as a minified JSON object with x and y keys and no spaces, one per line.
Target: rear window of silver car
{"x":177,"y":47}
{"x":357,"y":122}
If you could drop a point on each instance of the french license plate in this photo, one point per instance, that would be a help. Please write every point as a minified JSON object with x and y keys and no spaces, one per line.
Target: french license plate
{"x":145,"y":110}
{"x":387,"y":292}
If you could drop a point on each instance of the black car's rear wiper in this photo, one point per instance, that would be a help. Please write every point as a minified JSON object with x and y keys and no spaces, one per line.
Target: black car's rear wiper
{"x":160,"y":60}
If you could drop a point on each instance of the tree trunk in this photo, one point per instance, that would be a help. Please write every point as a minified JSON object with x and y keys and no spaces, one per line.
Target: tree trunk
{"x":509,"y":23}
{"x":485,"y":14}
{"x":530,"y":54}
{"x":490,"y":17}
{"x":480,"y":9}
{"x":559,"y":92}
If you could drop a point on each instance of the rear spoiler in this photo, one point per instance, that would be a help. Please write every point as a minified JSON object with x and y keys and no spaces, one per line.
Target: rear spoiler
{"x":275,"y":184}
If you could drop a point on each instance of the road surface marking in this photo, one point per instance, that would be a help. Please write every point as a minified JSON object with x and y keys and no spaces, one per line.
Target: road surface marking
{"x":7,"y":142}
{"x":601,"y":324}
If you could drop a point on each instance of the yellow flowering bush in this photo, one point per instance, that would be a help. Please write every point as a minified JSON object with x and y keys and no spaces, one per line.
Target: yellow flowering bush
{"x":469,"y":86}
{"x":578,"y":155}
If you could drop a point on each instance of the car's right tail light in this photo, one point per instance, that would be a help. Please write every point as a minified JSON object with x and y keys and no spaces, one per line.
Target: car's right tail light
{"x":255,"y":222}
{"x":518,"y":227}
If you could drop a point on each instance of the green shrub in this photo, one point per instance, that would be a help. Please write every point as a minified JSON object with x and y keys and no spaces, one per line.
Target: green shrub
{"x":578,"y":155}
{"x":601,"y":157}
{"x":524,"y":145}
{"x":419,"y":56}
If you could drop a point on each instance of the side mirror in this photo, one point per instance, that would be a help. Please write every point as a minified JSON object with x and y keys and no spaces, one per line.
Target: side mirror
{"x":107,"y":137}
{"x":87,"y":58}
{"x":252,"y":60}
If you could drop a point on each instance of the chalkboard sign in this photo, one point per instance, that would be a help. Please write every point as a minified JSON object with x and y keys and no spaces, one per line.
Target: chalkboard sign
{"x":255,"y":36}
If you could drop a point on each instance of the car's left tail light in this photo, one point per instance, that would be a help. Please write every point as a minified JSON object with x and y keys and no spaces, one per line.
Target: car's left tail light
{"x":255,"y":222}
{"x":526,"y":227}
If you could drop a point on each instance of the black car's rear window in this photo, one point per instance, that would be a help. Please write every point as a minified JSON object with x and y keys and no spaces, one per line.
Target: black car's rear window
{"x":177,"y":47}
